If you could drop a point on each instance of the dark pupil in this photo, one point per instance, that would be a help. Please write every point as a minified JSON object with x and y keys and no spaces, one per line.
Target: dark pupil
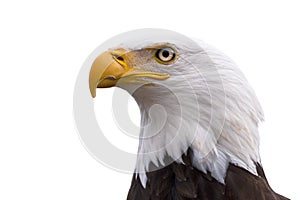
{"x":165,"y":53}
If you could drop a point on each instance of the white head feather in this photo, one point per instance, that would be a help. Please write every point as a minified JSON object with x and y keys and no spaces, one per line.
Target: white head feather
{"x":206,"y":105}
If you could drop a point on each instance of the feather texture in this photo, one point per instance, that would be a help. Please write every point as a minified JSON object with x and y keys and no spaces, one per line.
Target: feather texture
{"x":207,"y":105}
{"x":183,"y":181}
{"x":199,"y":127}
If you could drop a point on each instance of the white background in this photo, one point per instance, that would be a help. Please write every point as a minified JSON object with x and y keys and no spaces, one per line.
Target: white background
{"x":44,"y":43}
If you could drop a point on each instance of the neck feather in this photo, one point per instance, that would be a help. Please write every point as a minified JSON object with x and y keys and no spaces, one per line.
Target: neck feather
{"x":216,"y":117}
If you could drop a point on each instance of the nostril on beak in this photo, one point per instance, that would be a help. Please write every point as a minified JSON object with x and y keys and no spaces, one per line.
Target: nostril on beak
{"x":120,"y":58}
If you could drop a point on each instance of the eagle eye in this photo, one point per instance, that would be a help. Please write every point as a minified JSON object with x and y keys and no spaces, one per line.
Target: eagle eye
{"x":165,"y":55}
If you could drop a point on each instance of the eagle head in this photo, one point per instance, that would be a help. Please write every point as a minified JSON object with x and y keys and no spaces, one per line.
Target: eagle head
{"x":191,"y":96}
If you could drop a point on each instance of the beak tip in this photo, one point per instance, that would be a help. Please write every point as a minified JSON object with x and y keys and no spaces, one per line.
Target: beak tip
{"x":93,"y":93}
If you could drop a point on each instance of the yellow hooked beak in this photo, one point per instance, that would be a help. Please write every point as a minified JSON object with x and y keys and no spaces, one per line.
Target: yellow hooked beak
{"x":111,"y":67}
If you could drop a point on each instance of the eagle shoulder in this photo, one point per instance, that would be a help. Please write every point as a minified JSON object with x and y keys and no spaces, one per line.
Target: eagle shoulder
{"x":179,"y":181}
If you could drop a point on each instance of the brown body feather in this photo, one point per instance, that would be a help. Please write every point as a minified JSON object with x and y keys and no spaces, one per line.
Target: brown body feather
{"x":184,"y":182}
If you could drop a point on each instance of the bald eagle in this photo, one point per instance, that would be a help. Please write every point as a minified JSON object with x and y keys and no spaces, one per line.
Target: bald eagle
{"x":199,"y":118}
